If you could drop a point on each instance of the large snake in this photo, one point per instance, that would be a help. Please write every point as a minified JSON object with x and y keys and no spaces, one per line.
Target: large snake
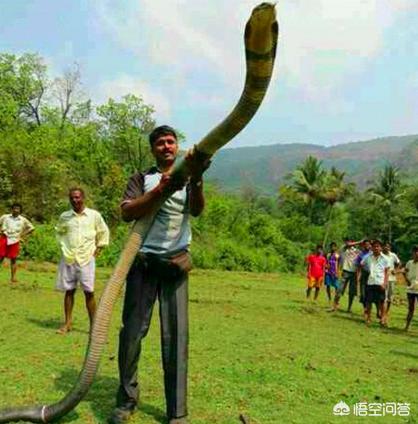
{"x":261,"y":33}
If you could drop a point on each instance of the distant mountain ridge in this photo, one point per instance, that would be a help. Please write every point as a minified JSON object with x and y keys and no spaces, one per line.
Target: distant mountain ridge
{"x":265,"y":167}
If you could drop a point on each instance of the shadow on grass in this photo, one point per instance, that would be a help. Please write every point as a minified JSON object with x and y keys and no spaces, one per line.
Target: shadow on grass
{"x":101,"y":397}
{"x":360,"y":320}
{"x":53,"y":324}
{"x":50,"y":323}
{"x":348,"y":317}
{"x":211,"y":301}
{"x":406,"y":354}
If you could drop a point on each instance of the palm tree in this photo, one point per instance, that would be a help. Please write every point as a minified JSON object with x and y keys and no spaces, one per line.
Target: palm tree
{"x":307,"y":180}
{"x":387,"y":191}
{"x":334,"y":190}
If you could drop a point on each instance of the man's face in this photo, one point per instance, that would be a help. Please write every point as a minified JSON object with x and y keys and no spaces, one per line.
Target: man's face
{"x":77,"y":200}
{"x":415,"y":255}
{"x":377,"y":249}
{"x":16,"y":210}
{"x":165,"y":149}
{"x":386,"y":248}
{"x":367,"y":245}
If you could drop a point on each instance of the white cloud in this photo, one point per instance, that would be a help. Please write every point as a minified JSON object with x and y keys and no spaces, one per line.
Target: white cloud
{"x":323,"y":43}
{"x":126,"y":84}
{"x":181,"y":35}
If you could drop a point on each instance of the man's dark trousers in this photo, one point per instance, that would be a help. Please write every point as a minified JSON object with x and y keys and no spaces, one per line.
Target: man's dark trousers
{"x":147,"y":280}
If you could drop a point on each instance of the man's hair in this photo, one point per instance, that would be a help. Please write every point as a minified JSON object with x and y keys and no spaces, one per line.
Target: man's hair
{"x":366,"y":241}
{"x":332,"y":244}
{"x":17,"y":205}
{"x":319,"y":246}
{"x":73,"y":189}
{"x":162,"y":130}
{"x":375,"y":241}
{"x":415,"y":248}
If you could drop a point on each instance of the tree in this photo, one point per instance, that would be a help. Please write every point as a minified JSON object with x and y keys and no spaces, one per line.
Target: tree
{"x":124,"y":126}
{"x":387,"y":191}
{"x":307,"y":181}
{"x":23,"y":83}
{"x":334,"y":190}
{"x":67,"y":90}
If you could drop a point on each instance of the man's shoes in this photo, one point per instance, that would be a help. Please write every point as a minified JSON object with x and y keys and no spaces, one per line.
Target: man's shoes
{"x":182,"y":420}
{"x":121,"y":414}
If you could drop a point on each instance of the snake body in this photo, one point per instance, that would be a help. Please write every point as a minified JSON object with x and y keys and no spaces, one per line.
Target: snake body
{"x":261,"y":33}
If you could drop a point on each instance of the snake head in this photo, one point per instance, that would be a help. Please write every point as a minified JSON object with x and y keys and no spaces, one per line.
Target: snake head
{"x":261,"y":29}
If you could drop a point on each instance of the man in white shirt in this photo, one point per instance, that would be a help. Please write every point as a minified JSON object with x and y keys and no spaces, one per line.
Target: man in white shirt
{"x":411,"y":276}
{"x":378,"y":267}
{"x":394,"y":264}
{"x":81,"y":234}
{"x":13,"y":229}
{"x":349,"y":253}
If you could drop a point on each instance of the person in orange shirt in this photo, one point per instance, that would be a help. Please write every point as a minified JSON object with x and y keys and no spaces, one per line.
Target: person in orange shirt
{"x":316,"y":271}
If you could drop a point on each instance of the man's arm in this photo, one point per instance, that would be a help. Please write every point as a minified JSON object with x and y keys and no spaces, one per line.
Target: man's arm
{"x":144,"y":204}
{"x":354,"y":243}
{"x":196,"y":197}
{"x":396,"y":265}
{"x":102,"y":233}
{"x":1,"y":223}
{"x":27,"y":228}
{"x":385,"y":282}
{"x":405,"y":273}
{"x":308,"y":265}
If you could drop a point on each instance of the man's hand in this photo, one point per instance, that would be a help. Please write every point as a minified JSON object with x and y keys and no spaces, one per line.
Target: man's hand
{"x":169,"y":184}
{"x":196,"y":164}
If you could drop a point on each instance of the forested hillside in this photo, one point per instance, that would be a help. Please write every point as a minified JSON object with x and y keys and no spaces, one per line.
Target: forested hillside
{"x":265,"y":167}
{"x":52,"y":138}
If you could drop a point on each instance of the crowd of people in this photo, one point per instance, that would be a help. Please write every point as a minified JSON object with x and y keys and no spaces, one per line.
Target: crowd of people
{"x":367,"y":269}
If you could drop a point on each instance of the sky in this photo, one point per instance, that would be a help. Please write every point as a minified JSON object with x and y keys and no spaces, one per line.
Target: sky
{"x":346,"y":70}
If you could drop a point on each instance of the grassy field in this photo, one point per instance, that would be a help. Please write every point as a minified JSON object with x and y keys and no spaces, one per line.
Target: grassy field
{"x":257,"y":347}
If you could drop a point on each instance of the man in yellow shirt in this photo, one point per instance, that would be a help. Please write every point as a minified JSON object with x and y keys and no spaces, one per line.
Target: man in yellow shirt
{"x":13,"y":229}
{"x":81,"y":234}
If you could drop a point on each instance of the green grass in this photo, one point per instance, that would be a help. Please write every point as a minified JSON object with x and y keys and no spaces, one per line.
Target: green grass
{"x":256,"y":347}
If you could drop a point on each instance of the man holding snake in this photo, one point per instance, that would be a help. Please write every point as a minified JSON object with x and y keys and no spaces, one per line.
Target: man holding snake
{"x":160,"y":270}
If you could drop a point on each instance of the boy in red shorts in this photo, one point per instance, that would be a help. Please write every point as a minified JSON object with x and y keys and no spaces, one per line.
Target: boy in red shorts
{"x":316,"y":270}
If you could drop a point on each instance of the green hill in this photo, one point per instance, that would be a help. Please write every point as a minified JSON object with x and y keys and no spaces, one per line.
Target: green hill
{"x":266,"y":167}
